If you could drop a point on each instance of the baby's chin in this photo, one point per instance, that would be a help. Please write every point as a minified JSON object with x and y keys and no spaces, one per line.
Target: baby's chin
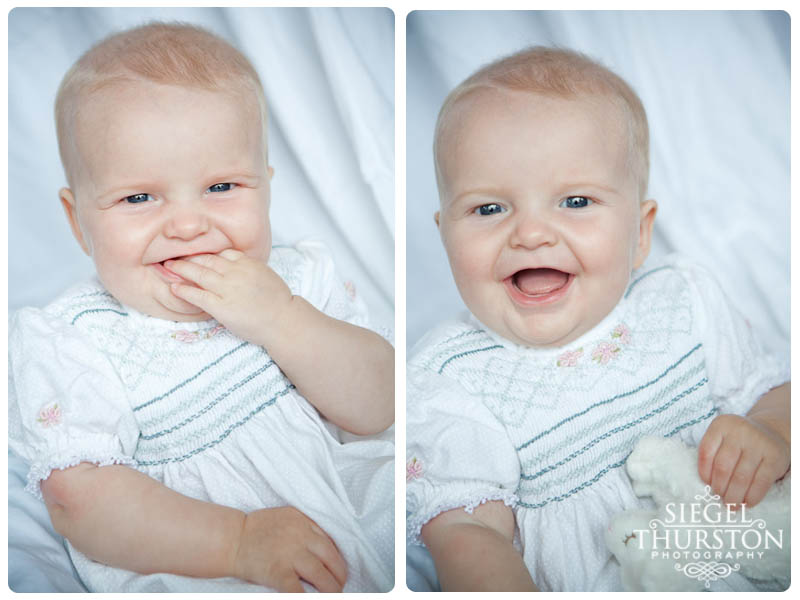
{"x":168,"y":309}
{"x":177,"y":310}
{"x":528,"y":336}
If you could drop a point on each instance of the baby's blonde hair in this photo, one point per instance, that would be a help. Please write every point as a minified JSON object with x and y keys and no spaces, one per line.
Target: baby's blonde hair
{"x":561,"y":73}
{"x":165,"y":53}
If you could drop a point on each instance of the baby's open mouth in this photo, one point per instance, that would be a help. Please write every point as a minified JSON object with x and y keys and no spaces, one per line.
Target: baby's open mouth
{"x":539,"y":282}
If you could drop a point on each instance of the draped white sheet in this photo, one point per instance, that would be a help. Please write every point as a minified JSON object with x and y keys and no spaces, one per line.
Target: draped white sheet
{"x":329,"y":81}
{"x":716,"y":89}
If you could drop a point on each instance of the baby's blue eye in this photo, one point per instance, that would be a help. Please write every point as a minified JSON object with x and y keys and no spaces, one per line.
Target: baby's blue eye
{"x":137,"y":198}
{"x":575,"y":202}
{"x":489,"y":209}
{"x":222,"y":187}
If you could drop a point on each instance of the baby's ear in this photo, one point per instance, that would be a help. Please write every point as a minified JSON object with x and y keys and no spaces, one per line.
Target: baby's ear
{"x":647,"y":216}
{"x":68,"y":202}
{"x":436,"y":217}
{"x":271,"y":172}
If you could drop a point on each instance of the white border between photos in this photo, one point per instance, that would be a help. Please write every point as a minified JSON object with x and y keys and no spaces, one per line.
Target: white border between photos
{"x":401,"y":9}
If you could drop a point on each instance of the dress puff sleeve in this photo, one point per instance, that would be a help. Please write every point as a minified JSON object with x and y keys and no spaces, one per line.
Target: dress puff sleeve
{"x":739,"y":370}
{"x":309,"y":270}
{"x":66,"y":404}
{"x":458,"y":454}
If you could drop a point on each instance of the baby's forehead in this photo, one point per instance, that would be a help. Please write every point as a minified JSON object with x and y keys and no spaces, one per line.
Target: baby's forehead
{"x":483,"y":115}
{"x":493,"y":102}
{"x":109,"y":120}
{"x":497,"y":137}
{"x":123,"y":96}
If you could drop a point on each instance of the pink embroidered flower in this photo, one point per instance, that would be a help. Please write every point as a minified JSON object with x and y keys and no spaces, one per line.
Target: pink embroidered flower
{"x":413,"y":469}
{"x":622,"y":333}
{"x":186,"y":336}
{"x":350,"y":288}
{"x":50,"y":415}
{"x":604,"y":352}
{"x":569,"y":358}
{"x":190,"y":337}
{"x":215,"y":331}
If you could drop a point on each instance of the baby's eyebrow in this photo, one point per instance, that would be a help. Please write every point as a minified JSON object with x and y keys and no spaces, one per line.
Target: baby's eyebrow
{"x":225,"y":176}
{"x":487,"y":193}
{"x":598,"y":186}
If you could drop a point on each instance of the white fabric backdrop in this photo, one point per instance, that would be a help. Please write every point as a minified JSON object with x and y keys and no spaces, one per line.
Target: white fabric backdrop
{"x":716,"y":89}
{"x":329,"y":81}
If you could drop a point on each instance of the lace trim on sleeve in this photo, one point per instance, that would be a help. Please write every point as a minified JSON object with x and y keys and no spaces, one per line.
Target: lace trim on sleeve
{"x":415,"y":523}
{"x":40,"y":470}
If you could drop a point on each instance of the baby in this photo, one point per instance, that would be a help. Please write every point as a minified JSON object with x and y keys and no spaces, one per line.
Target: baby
{"x":183,"y":412}
{"x":521,"y":415}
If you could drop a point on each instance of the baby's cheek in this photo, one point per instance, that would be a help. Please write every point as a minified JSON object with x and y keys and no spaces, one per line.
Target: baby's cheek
{"x":467,"y":273}
{"x":257,"y":244}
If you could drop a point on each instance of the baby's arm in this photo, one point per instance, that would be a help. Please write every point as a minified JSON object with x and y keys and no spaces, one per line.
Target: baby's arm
{"x":345,"y":371}
{"x":475,"y":552}
{"x":123,"y":518}
{"x":741,"y":457}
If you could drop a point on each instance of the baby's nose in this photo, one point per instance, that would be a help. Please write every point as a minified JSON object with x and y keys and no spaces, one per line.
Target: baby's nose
{"x":531,"y":231}
{"x":186,"y":223}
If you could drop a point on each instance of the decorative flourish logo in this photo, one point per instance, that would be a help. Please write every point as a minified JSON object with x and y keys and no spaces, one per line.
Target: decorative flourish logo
{"x":707,"y":539}
{"x":706,"y":572}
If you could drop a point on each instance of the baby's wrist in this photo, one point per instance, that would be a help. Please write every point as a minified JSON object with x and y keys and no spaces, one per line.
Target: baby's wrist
{"x":768,"y":423}
{"x":282,"y":323}
{"x":235,"y":567}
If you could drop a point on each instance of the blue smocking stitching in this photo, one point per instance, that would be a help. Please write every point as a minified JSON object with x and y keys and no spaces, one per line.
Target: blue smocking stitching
{"x":192,"y":378}
{"x":708,"y":415}
{"x":573,"y":491}
{"x":468,"y":352}
{"x":211,"y":405}
{"x":633,"y":283}
{"x":225,"y":434}
{"x":608,"y":401}
{"x":96,"y":310}
{"x":617,"y":429}
{"x":597,"y":477}
{"x":460,"y":335}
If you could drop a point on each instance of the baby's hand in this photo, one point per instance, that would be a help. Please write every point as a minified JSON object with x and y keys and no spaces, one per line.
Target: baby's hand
{"x":242,"y":293}
{"x":281,"y":546}
{"x":740,"y":458}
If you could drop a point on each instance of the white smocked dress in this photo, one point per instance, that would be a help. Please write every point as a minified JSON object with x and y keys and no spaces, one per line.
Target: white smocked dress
{"x":547,"y":431}
{"x":203,"y":412}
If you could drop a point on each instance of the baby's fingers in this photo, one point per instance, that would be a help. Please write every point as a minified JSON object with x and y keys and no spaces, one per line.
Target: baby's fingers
{"x":763,"y":479}
{"x":325,"y":550}
{"x":198,"y":297}
{"x":290,"y":583}
{"x":707,"y":451}
{"x":725,"y":462}
{"x":742,"y":478}
{"x":196,"y":271}
{"x":312,"y":570}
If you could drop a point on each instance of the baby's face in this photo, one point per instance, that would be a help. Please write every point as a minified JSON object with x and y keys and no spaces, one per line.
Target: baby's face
{"x":166,"y":172}
{"x":540,"y":215}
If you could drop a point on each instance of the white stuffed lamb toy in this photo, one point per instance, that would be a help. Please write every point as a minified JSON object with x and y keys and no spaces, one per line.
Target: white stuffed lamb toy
{"x":668,"y":550}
